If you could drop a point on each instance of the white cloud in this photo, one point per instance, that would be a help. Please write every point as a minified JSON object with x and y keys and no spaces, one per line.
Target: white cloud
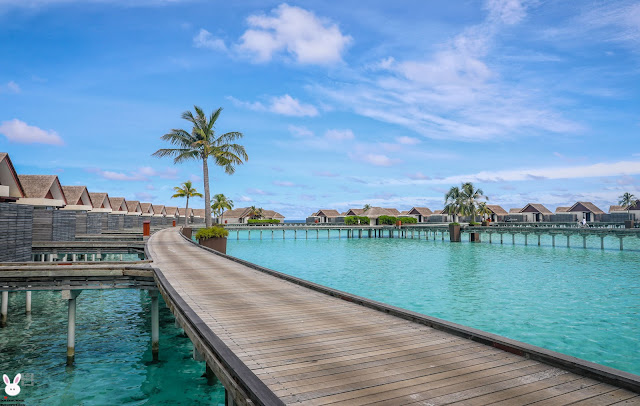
{"x":296,"y":32}
{"x":206,"y":40}
{"x":284,"y":183}
{"x":258,"y":192}
{"x":300,"y":132}
{"x":506,"y":11}
{"x":20,"y":132}
{"x":339,"y":135}
{"x":404,"y":140}
{"x":245,"y":199}
{"x":167,"y":173}
{"x":144,"y":196}
{"x":144,"y":173}
{"x":10,"y":87}
{"x":374,"y":159}
{"x":195,"y":178}
{"x":285,"y":105}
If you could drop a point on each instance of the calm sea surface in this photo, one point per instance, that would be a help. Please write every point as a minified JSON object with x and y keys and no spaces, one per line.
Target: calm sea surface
{"x":113,"y":353}
{"x":581,"y":302}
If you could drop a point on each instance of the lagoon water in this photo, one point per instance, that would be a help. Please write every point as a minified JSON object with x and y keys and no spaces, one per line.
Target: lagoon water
{"x":113,"y":353}
{"x":580,"y":302}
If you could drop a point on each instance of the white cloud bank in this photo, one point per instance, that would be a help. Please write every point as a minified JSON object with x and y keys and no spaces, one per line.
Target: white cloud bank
{"x":20,"y":132}
{"x":294,"y":31}
{"x":204,"y":39}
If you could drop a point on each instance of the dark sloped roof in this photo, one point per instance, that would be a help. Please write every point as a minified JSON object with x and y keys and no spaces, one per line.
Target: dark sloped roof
{"x":424,"y":211}
{"x":496,"y":209}
{"x":589,"y":206}
{"x":327,"y":213}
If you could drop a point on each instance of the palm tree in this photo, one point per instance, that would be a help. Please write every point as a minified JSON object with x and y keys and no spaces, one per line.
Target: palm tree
{"x":202,"y":143}
{"x":483,"y":209}
{"x":366,"y":207}
{"x":220,"y":204}
{"x":256,"y":212}
{"x":186,"y":190}
{"x":453,"y":202}
{"x":471,"y":196}
{"x":628,"y":200}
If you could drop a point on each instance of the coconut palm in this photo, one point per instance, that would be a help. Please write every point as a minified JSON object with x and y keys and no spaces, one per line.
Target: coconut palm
{"x":201,"y":143}
{"x":453,"y":202}
{"x":256,"y":212}
{"x":628,"y":200}
{"x":471,"y":198}
{"x":220,"y":204}
{"x":483,"y":209}
{"x":186,"y":190}
{"x":366,"y":207}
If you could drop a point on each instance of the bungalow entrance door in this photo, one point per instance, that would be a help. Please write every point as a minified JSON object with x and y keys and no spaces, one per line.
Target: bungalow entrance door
{"x":587,"y":216}
{"x":537,"y":217}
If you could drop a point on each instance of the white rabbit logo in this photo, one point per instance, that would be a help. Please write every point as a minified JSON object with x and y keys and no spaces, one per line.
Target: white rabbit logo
{"x":12,"y":389}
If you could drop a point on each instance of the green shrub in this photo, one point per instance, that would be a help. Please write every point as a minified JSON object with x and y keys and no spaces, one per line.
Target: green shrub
{"x":387,"y":220}
{"x":211,"y":232}
{"x":474,"y":223}
{"x":454,"y":224}
{"x":351,"y":220}
{"x":408,"y":220}
{"x":263,"y":221}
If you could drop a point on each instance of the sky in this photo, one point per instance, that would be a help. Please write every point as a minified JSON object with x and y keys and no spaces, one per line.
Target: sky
{"x":341,"y":104}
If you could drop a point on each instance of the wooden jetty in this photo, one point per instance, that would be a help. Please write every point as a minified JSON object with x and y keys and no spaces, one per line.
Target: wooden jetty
{"x":274,"y":339}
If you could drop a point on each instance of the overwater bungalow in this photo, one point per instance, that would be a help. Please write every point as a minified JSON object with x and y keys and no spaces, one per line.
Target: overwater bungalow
{"x":326,"y":215}
{"x":182,"y":211}
{"x":535,"y":212}
{"x":562,"y":209}
{"x":394,"y":212}
{"x":159,"y":210}
{"x":198,"y":215}
{"x":118,"y":205}
{"x":133,"y":208}
{"x":78,"y":198}
{"x":10,"y":188}
{"x":272,"y":215}
{"x":515,"y":211}
{"x":241,"y":215}
{"x":586,"y":210}
{"x":420,"y":213}
{"x":42,"y":191}
{"x":374,"y":212}
{"x":100,"y":202}
{"x":497,"y":212}
{"x":147,"y":209}
{"x":353,"y":212}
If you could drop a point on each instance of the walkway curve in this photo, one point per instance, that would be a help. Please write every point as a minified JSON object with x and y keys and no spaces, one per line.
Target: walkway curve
{"x":307,"y":347}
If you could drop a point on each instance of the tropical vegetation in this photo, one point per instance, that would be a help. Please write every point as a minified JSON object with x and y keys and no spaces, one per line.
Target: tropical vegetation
{"x":628,"y":200}
{"x":202,"y":143}
{"x":263,"y":221}
{"x":212,"y":232}
{"x":220,"y":204}
{"x":352,"y":220}
{"x":256,"y":212}
{"x":186,"y":190}
{"x":390,"y":220}
{"x":463,"y":201}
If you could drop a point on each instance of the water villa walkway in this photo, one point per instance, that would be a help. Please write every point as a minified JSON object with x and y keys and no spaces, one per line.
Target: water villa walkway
{"x":274,"y":339}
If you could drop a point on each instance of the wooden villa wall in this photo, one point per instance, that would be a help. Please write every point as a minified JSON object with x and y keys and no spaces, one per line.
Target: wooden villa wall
{"x":16,"y":223}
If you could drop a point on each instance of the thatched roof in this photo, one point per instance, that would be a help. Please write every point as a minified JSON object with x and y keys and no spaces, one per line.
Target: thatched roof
{"x":157,"y":208}
{"x":496,"y":209}
{"x":116,"y":203}
{"x":171,"y":210}
{"x":353,"y":212}
{"x":98,"y":199}
{"x":237,"y":213}
{"x":562,"y":209}
{"x":4,"y":157}
{"x":394,"y":212}
{"x":615,"y":208}
{"x":375,"y":212}
{"x":327,"y":213}
{"x":437,"y":212}
{"x":538,"y":207}
{"x":424,"y":211}
{"x":182,"y":211}
{"x":586,"y":205}
{"x":39,"y":186}
{"x":272,"y":214}
{"x":133,"y":206}
{"x":198,"y":212}
{"x":515,"y":211}
{"x":146,"y":207}
{"x":73,"y":194}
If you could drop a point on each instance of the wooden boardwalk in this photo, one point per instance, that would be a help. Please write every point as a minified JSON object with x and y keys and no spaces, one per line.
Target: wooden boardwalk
{"x":314,"y":349}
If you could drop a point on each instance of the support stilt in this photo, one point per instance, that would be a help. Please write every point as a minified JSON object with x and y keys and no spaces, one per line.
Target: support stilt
{"x":584,"y":241}
{"x":28,"y":302}
{"x":621,"y":243}
{"x":71,"y":297}
{"x":568,"y":241}
{"x":212,"y":379}
{"x":553,"y":240}
{"x":538,"y":239}
{"x":155,"y":325}
{"x":5,"y":309}
{"x":602,"y":242}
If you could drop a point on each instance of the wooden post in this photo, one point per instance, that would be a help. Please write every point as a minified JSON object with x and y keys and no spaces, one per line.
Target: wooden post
{"x":155,"y":325}
{"x":339,"y":233}
{"x":237,"y":234}
{"x":295,"y":234}
{"x":317,"y":233}
{"x":71,"y":296}
{"x":306,"y":234}
{"x":538,"y":239}
{"x":283,"y":230}
{"x":28,"y":302}
{"x":249,"y":235}
{"x":584,"y":241}
{"x":501,"y":235}
{"x":553,"y":240}
{"x":513,"y":239}
{"x":526,"y":239}
{"x":328,"y":234}
{"x":5,"y":308}
{"x":490,"y":237}
{"x":621,"y":237}
{"x":568,"y":241}
{"x":602,"y":242}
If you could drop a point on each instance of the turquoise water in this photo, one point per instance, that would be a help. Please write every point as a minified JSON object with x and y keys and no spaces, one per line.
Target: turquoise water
{"x":580,"y":302}
{"x":113,"y":353}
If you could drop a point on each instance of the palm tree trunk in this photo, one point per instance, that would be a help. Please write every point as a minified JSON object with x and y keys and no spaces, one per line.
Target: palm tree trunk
{"x":207,"y":197}
{"x":186,"y":212}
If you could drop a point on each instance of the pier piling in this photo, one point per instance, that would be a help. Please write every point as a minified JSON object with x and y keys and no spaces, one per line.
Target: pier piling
{"x":155,"y":325}
{"x":5,"y":309}
{"x":71,"y":296}
{"x":28,"y":302}
{"x":602,"y":242}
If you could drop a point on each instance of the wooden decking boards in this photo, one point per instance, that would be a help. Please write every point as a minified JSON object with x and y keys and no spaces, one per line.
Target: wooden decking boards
{"x":313,"y":349}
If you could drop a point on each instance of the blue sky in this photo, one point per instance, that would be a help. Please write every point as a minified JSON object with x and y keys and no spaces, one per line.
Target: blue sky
{"x":340,"y":104}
